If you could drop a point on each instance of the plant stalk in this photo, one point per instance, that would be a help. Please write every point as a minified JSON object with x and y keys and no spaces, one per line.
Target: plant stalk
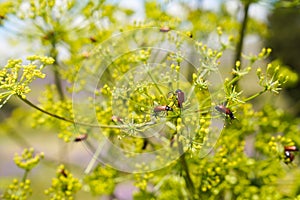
{"x":239,"y":46}
{"x":255,"y":95}
{"x":65,"y":119}
{"x":187,"y":176}
{"x":25,"y":175}
{"x":57,"y":80}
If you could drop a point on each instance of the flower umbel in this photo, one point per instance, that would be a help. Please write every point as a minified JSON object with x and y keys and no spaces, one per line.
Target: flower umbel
{"x":64,"y":186}
{"x":16,"y":77}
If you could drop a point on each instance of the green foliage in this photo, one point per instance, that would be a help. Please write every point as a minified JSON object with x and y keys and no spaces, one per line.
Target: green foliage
{"x":135,"y":84}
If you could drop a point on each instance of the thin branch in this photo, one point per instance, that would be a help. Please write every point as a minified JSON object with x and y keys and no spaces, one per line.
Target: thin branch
{"x":66,"y":119}
{"x":255,"y":95}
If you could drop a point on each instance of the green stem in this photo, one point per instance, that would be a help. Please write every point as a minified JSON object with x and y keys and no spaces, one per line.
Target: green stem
{"x":187,"y":176}
{"x":177,"y":78}
{"x":234,"y":81}
{"x":188,"y":180}
{"x":156,"y":85}
{"x":66,"y":119}
{"x":25,"y":175}
{"x":239,"y":47}
{"x":57,"y":80}
{"x":255,"y":95}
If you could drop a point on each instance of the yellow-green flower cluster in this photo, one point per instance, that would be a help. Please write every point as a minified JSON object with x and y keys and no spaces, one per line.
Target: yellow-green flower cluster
{"x":16,"y":77}
{"x":17,"y":191}
{"x":64,"y":186}
{"x":61,"y":108}
{"x":43,"y":59}
{"x":276,"y":145}
{"x":199,"y":82}
{"x":101,"y":181}
{"x":240,"y":72}
{"x":27,"y":160}
{"x":142,"y":178}
{"x":265,"y":53}
{"x":271,"y":80}
{"x":172,"y":187}
{"x":6,"y":7}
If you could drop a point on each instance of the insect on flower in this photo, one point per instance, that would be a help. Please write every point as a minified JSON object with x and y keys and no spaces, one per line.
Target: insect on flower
{"x":225,"y":110}
{"x":288,"y":153}
{"x":289,"y":157}
{"x":93,"y":39}
{"x":63,"y":172}
{"x":291,"y":148}
{"x":80,"y":138}
{"x":162,"y":108}
{"x":164,"y":29}
{"x":117,"y":119}
{"x":180,"y":97}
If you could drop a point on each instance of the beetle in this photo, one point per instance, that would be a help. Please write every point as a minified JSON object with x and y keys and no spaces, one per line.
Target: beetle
{"x":93,"y":39}
{"x":180,"y":97}
{"x":116,"y":119}
{"x":164,"y":29}
{"x":289,"y":157}
{"x":291,"y":148}
{"x":63,"y":172}
{"x":80,"y":138}
{"x":162,"y":108}
{"x":225,"y":110}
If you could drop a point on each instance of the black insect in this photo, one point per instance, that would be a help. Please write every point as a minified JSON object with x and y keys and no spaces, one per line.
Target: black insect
{"x":145,"y":144}
{"x":189,"y":34}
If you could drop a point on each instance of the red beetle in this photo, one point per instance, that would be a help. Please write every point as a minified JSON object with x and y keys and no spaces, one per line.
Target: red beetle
{"x":225,"y":110}
{"x":116,"y":119}
{"x":81,"y":138}
{"x":63,"y":172}
{"x":162,"y":108}
{"x":180,"y":97}
{"x":291,"y":148}
{"x":93,"y":39}
{"x":164,"y":29}
{"x":289,"y":157}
